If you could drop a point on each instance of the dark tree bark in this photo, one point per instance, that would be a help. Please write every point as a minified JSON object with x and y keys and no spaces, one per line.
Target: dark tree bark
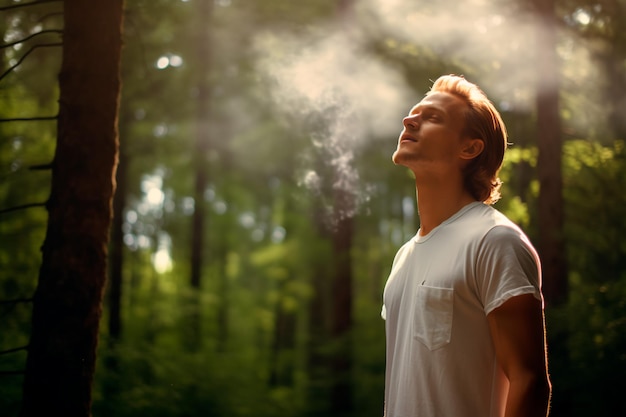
{"x":551,"y":214}
{"x":68,"y":300}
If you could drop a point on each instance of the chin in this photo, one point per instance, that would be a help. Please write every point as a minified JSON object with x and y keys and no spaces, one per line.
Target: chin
{"x":397,"y":158}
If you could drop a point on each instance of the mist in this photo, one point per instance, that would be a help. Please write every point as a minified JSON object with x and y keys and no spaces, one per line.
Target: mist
{"x":326,"y":74}
{"x":326,"y":79}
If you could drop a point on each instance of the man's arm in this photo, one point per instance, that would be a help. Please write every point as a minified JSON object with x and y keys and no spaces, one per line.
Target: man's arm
{"x":518,"y":332}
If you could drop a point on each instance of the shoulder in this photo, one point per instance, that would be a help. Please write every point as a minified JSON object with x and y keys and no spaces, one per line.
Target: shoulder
{"x":494,"y":225}
{"x":503,"y":233}
{"x":484,"y":222}
{"x":507,"y":244}
{"x":501,"y":238}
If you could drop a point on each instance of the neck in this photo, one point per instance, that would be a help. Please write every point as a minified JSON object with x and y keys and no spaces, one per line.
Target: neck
{"x":436,"y":204}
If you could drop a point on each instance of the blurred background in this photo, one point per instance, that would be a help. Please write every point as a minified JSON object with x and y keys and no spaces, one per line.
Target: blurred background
{"x":257,"y":210}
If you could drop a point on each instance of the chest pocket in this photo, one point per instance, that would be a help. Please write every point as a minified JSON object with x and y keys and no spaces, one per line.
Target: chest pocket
{"x":433,"y":316}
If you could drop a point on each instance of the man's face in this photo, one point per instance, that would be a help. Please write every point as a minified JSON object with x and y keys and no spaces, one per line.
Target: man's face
{"x":432,"y":134}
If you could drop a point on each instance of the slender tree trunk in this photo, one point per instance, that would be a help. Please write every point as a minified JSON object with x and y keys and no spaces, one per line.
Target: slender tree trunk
{"x":219,"y":256}
{"x":341,"y":323}
{"x":318,"y":324}
{"x":551,"y":213}
{"x":330,"y":313}
{"x":202,"y":145}
{"x":68,"y":300}
{"x":285,"y":324}
{"x":283,"y":345}
{"x":341,"y":327}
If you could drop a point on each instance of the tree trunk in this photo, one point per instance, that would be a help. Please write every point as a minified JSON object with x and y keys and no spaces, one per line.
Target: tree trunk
{"x":341,"y":363}
{"x":204,"y":10}
{"x":283,"y":344}
{"x":220,"y":250}
{"x":341,"y":323}
{"x":551,"y":215}
{"x":283,"y":363}
{"x":318,"y":323}
{"x":68,"y":300}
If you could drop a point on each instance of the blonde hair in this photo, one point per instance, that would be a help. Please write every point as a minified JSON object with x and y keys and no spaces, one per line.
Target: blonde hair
{"x":482,"y":121}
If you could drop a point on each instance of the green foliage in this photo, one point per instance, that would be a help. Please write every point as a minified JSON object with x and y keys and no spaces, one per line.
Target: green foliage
{"x":587,"y":333}
{"x":594,"y":186}
{"x":516,"y":198}
{"x":158,"y":381}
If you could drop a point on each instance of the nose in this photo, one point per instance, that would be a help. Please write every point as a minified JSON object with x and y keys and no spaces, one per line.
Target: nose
{"x":411,"y":121}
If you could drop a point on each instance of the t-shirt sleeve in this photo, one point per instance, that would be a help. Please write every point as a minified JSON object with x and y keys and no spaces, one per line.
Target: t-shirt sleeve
{"x":507,"y":266}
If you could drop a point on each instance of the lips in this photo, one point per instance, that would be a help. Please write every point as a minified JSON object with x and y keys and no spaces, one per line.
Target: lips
{"x":407,"y":138}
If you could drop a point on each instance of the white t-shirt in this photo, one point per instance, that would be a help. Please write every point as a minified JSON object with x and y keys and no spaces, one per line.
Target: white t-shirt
{"x":440,"y":356}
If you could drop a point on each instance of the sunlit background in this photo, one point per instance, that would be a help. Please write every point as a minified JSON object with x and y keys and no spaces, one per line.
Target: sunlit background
{"x":255,"y":187}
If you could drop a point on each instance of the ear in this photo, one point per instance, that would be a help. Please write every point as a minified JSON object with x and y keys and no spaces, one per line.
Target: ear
{"x":472,"y":148}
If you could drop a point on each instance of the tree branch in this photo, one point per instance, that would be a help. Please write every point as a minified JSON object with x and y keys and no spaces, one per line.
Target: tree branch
{"x":34,"y":35}
{"x":17,"y":349}
{"x":32,"y":3}
{"x":23,"y":57}
{"x":21,"y":207}
{"x":28,"y":119}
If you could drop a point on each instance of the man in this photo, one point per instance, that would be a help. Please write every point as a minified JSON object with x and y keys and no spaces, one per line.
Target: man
{"x":463,"y":304}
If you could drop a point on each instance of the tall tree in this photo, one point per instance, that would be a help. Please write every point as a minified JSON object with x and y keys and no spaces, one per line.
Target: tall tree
{"x":68,"y":299}
{"x":550,"y":204}
{"x":200,"y":152}
{"x":341,"y":327}
{"x":342,"y":316}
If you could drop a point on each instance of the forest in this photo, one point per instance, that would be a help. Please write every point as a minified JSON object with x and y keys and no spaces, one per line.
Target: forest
{"x":198,"y":208}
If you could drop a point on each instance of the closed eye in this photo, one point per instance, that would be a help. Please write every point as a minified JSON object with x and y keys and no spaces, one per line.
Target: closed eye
{"x":427,"y":112}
